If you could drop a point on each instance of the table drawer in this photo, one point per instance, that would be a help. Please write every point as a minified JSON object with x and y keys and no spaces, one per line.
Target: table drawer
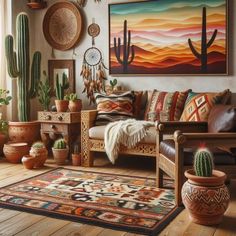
{"x":56,"y":128}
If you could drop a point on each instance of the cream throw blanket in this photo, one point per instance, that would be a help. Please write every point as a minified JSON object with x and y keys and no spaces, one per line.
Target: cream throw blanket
{"x":127,"y":132}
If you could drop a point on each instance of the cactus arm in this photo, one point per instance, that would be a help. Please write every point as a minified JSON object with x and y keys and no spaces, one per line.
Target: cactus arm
{"x":35,"y":74}
{"x":117,"y":50}
{"x":212,"y":39}
{"x":194,"y":51}
{"x":128,"y":46}
{"x":132,"y":55}
{"x":125,"y":55}
{"x":11,"y":57}
{"x":57,"y":87}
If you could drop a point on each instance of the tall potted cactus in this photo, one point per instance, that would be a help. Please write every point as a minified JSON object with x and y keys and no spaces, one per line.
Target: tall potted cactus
{"x":204,"y":194}
{"x":18,"y":64}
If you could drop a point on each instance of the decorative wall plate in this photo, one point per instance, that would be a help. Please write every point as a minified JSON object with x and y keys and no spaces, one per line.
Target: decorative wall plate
{"x":62,"y":25}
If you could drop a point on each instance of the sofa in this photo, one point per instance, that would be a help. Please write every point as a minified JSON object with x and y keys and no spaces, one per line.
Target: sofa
{"x":150,"y":105}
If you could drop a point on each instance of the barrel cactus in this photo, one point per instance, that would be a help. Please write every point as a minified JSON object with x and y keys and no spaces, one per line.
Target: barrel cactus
{"x":18,"y":64}
{"x":203,"y":162}
{"x":60,"y":144}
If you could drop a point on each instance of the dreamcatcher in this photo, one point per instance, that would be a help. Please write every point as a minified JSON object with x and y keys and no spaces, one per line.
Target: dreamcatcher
{"x":93,"y":68}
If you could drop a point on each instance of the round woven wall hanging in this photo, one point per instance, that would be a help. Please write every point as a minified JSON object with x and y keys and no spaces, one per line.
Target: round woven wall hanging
{"x":62,"y":25}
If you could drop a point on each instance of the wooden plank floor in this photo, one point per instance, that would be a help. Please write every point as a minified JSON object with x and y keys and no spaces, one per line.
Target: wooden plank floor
{"x":24,"y":224}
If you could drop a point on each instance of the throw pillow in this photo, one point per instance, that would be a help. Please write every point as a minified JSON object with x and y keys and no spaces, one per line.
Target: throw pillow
{"x":165,"y":106}
{"x":114,"y":107}
{"x":198,"y":105}
{"x":137,"y":105}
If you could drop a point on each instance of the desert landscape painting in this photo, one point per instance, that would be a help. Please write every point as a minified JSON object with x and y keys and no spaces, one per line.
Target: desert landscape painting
{"x":168,"y":37}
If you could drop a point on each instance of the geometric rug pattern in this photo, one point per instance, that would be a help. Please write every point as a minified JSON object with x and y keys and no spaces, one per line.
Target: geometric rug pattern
{"x":119,"y":202}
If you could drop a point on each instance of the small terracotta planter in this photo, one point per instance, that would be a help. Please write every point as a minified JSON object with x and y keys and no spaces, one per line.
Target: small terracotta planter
{"x":41,"y":155}
{"x":60,"y":155}
{"x":61,"y":105}
{"x":206,"y":198}
{"x":75,"y":106}
{"x":15,"y":151}
{"x":28,"y":161}
{"x":76,"y":159}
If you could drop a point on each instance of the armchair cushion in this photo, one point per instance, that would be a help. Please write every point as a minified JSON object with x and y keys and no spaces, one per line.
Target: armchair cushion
{"x":222,"y":118}
{"x":168,"y":104}
{"x":198,"y":105}
{"x":167,"y":148}
{"x":114,"y":107}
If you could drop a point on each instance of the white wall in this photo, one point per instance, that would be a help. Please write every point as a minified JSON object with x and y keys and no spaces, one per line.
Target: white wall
{"x":99,"y":11}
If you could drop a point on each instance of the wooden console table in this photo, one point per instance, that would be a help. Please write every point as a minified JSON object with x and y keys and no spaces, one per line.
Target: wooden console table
{"x":56,"y":124}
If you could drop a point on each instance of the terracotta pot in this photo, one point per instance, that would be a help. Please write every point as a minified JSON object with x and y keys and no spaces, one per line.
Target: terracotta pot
{"x":28,"y":161}
{"x":3,"y":140}
{"x":15,"y":151}
{"x":27,"y":132}
{"x":206,"y":198}
{"x":41,"y":155}
{"x":60,"y":155}
{"x":75,"y":106}
{"x":61,"y":105}
{"x":76,"y":159}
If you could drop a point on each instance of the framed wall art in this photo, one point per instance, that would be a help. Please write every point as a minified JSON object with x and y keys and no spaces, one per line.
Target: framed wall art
{"x":169,"y":37}
{"x":58,"y":67}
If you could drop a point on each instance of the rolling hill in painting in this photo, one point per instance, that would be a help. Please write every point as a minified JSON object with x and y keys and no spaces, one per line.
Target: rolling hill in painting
{"x":160,"y":31}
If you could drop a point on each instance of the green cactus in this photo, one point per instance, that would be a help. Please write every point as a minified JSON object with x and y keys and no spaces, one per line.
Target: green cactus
{"x":113,"y":83}
{"x":60,"y":144}
{"x":38,"y":145}
{"x":203,"y":162}
{"x":127,"y":58}
{"x":22,"y":71}
{"x":204,"y":44}
{"x":60,"y":87}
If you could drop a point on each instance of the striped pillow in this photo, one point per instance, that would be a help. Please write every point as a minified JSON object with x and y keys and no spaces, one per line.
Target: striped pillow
{"x":114,"y":107}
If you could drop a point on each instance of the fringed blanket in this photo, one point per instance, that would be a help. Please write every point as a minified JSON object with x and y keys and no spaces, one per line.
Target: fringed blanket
{"x":127,"y":132}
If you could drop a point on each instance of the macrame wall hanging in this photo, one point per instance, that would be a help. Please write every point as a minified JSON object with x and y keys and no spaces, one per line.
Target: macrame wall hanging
{"x":93,"y":68}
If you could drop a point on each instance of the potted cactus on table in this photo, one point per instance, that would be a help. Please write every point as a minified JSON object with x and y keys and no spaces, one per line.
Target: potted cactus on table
{"x":204,"y":194}
{"x":60,"y":151}
{"x":75,"y":104}
{"x":18,"y":64}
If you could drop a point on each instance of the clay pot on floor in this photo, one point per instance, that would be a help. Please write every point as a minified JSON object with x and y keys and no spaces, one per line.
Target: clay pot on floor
{"x":61,"y":105}
{"x":3,"y":140}
{"x":76,"y":159}
{"x":75,"y":106}
{"x":40,"y":154}
{"x":60,"y":155}
{"x":28,"y":161}
{"x":206,"y":198}
{"x":15,"y":151}
{"x":27,"y":132}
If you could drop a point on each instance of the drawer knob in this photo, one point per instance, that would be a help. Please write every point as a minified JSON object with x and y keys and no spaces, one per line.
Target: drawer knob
{"x":60,"y":118}
{"x":48,"y":117}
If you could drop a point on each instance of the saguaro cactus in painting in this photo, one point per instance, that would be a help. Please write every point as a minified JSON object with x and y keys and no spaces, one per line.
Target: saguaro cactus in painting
{"x":18,"y":64}
{"x":204,"y":44}
{"x":128,"y":51}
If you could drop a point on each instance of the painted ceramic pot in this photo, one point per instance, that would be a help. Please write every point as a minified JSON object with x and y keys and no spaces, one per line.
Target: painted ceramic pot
{"x":15,"y":151}
{"x":27,"y":132}
{"x":76,"y":159}
{"x":41,"y":155}
{"x":206,"y":198}
{"x":61,"y":105}
{"x":60,"y":155}
{"x":28,"y":161}
{"x":75,"y":106}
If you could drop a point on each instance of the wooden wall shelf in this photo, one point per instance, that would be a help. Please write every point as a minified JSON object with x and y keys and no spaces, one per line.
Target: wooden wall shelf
{"x":37,"y":5}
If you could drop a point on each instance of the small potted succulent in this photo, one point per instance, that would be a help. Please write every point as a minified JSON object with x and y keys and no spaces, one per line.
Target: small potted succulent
{"x":76,"y":156}
{"x":75,"y":104}
{"x":60,"y":102}
{"x":44,"y":91}
{"x":40,"y":152}
{"x":204,"y":194}
{"x":60,"y":151}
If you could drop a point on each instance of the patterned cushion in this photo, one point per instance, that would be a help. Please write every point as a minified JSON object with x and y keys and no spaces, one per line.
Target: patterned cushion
{"x":114,"y":107}
{"x":198,"y":105}
{"x":165,"y":106}
{"x":137,"y":104}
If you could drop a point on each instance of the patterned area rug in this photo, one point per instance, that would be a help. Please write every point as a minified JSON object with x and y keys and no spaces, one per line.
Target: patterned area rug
{"x":119,"y":202}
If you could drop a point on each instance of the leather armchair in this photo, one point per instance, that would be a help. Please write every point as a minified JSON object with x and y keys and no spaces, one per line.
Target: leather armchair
{"x":175,"y":155}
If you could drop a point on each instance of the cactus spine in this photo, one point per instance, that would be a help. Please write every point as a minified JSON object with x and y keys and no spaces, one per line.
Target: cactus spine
{"x":22,"y":71}
{"x":127,"y":58}
{"x":60,"y":144}
{"x":204,"y":44}
{"x":60,"y":87}
{"x":203,"y":162}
